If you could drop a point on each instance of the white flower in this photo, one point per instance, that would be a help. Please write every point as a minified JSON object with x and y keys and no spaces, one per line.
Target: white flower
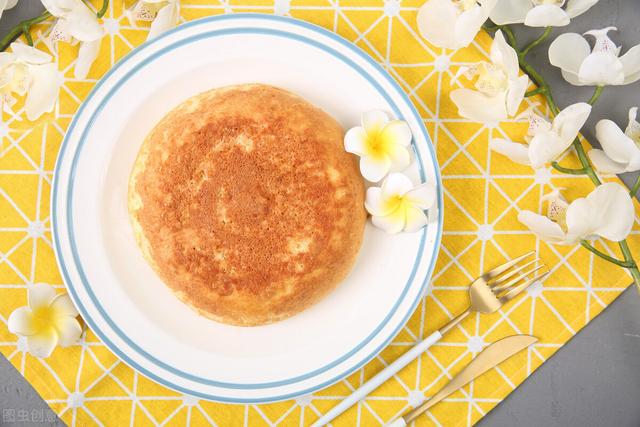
{"x":452,"y":24}
{"x":546,"y":141}
{"x":539,"y":13}
{"x":583,"y":67}
{"x":6,"y":5}
{"x":76,"y":21}
{"x":397,"y":205}
{"x":47,"y":321}
{"x":499,"y":88}
{"x":27,"y":70}
{"x":163,"y":14}
{"x":620,"y":150}
{"x":382,"y":145}
{"x":606,"y":212}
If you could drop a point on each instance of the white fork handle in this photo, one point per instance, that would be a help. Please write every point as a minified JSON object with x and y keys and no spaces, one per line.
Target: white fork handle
{"x":380,"y":378}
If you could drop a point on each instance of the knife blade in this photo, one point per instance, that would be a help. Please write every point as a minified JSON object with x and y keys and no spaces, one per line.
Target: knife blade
{"x":490,"y":357}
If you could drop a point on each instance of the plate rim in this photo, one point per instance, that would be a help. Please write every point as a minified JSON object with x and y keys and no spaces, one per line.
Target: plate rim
{"x":212,"y":20}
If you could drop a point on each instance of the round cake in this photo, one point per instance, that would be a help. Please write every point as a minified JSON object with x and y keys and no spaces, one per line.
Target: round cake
{"x":245,"y":203}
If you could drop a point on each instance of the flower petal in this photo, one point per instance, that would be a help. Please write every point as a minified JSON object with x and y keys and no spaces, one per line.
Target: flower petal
{"x":375,"y":203}
{"x":392,"y":223}
{"x":58,"y":7}
{"x":518,"y":153}
{"x":542,"y":226}
{"x":515,"y":94}
{"x":20,"y":322}
{"x":601,"y":68}
{"x":83,"y":24}
{"x":63,"y":306}
{"x":43,"y":91}
{"x":578,"y":221}
{"x":545,"y":147}
{"x":631,"y":64}
{"x":475,"y":106}
{"x":30,"y":54}
{"x":469,"y":22}
{"x":572,"y":78}
{"x":10,"y":4}
{"x":605,"y":164}
{"x":568,"y":51}
{"x":547,"y":15}
{"x":374,"y":169}
{"x":504,"y":55}
{"x":436,"y":22}
{"x":43,"y":343}
{"x":166,"y":19}
{"x":578,"y":7}
{"x":355,"y":141}
{"x":399,"y":157}
{"x":397,"y":132}
{"x":423,"y":196}
{"x":396,"y":184}
{"x":69,"y":330}
{"x":510,"y":11}
{"x":415,"y":219}
{"x":610,"y":212}
{"x":615,"y":143}
{"x":40,"y":295}
{"x":87,"y":53}
{"x":570,"y":120}
{"x":373,"y":121}
{"x":633,"y":127}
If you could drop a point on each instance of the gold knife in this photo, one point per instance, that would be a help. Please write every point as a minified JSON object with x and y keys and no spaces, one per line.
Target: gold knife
{"x":490,"y":357}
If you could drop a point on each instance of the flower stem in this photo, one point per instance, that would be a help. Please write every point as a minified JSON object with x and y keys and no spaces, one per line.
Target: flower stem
{"x":536,"y":42}
{"x":569,"y":171}
{"x":636,"y":187}
{"x":23,"y":27}
{"x":533,"y":92}
{"x":635,"y":273}
{"x":596,"y":95}
{"x":624,"y":264}
{"x":103,"y":9}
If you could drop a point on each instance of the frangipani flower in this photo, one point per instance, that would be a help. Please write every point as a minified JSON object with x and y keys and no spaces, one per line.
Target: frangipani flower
{"x":382,"y":144}
{"x":499,"y":88}
{"x":6,"y":5}
{"x":76,"y":21}
{"x":452,"y":24}
{"x":397,"y":205}
{"x":539,"y":13}
{"x":583,"y":67}
{"x":163,"y":14}
{"x":620,"y":150}
{"x":606,"y":212}
{"x":47,"y":321}
{"x":546,"y":141}
{"x":27,"y":70}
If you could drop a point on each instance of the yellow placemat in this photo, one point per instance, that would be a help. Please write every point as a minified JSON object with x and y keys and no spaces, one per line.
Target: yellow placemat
{"x":87,"y":385}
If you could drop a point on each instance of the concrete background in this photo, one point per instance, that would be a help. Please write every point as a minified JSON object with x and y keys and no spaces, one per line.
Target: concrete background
{"x":592,"y":381}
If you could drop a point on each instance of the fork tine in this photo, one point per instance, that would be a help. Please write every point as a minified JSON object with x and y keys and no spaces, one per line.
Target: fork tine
{"x":502,"y":284}
{"x":504,"y":267}
{"x":516,"y":290}
{"x":512,"y":273}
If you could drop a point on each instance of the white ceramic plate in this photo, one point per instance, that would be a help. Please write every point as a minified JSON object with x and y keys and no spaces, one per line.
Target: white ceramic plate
{"x":127,"y":305}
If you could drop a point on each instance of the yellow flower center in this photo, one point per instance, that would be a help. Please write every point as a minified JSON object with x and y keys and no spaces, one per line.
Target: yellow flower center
{"x":377,"y":144}
{"x":491,"y":79}
{"x":465,"y":5}
{"x":43,"y":317}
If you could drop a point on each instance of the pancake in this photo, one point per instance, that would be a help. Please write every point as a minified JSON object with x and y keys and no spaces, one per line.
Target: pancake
{"x":246,"y":205}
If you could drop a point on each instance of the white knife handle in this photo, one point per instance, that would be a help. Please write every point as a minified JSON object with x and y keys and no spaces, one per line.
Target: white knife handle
{"x":380,"y":378}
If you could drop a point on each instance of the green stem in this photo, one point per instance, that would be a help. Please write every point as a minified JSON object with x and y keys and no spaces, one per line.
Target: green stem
{"x":569,"y":171}
{"x":23,"y":27}
{"x":635,"y":187}
{"x":511,"y":37}
{"x":596,"y":95}
{"x":586,"y":164}
{"x":534,"y":92}
{"x":635,"y":273}
{"x":624,"y":264}
{"x":103,"y":9}
{"x":536,"y":42}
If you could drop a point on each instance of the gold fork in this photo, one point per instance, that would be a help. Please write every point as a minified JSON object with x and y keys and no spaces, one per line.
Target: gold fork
{"x":487,"y":293}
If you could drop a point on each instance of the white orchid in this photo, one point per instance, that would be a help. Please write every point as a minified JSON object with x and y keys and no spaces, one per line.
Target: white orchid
{"x":545,"y":141}
{"x":603,"y":66}
{"x":452,"y":24}
{"x":499,"y":88}
{"x":48,"y":320}
{"x":163,"y":14}
{"x":397,"y":205}
{"x":620,"y":150}
{"x":539,"y":13}
{"x":28,"y":71}
{"x":606,"y":212}
{"x":382,"y":144}
{"x":76,"y":22}
{"x":6,"y":5}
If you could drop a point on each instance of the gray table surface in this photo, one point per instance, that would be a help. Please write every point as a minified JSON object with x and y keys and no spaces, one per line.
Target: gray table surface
{"x":594,"y":380}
